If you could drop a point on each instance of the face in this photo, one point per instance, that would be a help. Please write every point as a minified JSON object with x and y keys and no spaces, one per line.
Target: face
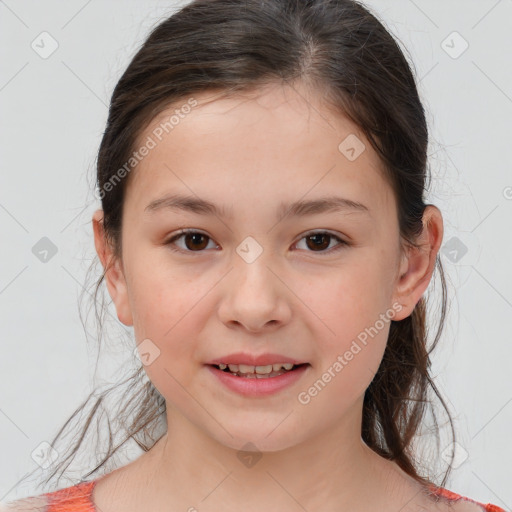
{"x":262,"y":274}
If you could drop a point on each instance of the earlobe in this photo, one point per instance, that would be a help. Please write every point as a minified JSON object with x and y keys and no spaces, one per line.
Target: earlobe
{"x":418,"y":263}
{"x":114,"y":275}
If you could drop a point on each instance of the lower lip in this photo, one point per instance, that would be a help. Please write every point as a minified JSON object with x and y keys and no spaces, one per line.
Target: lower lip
{"x":258,"y":387}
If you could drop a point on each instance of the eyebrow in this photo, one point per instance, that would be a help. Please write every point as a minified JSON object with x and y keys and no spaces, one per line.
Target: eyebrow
{"x":298,"y":208}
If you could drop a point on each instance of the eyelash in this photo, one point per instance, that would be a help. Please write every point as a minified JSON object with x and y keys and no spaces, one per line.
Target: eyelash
{"x":170,"y":242}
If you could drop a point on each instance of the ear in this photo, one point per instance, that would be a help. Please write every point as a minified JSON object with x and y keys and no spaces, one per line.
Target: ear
{"x":417,"y":264}
{"x":114,"y":274}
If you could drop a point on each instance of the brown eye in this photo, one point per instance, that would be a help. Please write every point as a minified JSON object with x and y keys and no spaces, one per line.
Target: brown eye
{"x":194,"y":241}
{"x":320,"y":242}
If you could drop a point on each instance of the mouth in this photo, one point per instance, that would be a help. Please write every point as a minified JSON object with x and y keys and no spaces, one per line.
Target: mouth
{"x":258,"y":372}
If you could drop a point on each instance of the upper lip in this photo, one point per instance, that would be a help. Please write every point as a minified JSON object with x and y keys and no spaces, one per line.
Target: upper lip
{"x":253,"y":360}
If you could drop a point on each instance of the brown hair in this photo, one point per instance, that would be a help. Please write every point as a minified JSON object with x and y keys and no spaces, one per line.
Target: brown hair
{"x":334,"y":46}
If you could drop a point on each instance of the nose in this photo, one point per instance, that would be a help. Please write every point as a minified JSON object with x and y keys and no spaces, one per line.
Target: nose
{"x":254,"y":296}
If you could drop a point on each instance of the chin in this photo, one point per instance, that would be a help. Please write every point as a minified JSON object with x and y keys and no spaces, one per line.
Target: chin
{"x":252,"y":440}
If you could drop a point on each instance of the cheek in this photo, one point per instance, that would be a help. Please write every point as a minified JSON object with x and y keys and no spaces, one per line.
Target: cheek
{"x":358,"y":313}
{"x":166,"y":320}
{"x":162,"y":295}
{"x":350,"y":358}
{"x":165,"y":308}
{"x":356,"y":294}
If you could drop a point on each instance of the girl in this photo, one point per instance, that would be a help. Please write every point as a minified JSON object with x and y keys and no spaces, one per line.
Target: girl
{"x":263,"y":229}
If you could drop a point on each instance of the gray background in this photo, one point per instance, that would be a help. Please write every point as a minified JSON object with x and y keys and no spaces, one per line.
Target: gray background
{"x":53,"y":112}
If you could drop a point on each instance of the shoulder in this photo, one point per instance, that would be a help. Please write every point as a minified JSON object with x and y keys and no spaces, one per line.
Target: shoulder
{"x":76,"y":498}
{"x":459,"y":503}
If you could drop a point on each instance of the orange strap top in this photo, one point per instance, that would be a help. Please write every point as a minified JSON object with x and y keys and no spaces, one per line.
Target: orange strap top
{"x":78,"y":498}
{"x":445,"y":493}
{"x":72,"y":499}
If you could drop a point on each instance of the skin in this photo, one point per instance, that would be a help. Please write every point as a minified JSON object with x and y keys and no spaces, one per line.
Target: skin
{"x":248,"y":153}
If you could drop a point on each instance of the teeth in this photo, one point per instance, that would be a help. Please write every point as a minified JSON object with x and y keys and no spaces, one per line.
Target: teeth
{"x":245,"y":368}
{"x":262,"y":370}
{"x":258,"y":370}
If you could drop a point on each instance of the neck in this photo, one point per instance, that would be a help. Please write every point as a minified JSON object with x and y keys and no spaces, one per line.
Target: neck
{"x":334,"y":470}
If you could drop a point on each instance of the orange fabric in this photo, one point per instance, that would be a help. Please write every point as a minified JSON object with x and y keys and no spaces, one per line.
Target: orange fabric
{"x":445,"y":493}
{"x":78,"y":498}
{"x":72,"y":499}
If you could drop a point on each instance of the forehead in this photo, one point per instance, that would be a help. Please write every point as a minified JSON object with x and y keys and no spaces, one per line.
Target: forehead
{"x":274,"y":142}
